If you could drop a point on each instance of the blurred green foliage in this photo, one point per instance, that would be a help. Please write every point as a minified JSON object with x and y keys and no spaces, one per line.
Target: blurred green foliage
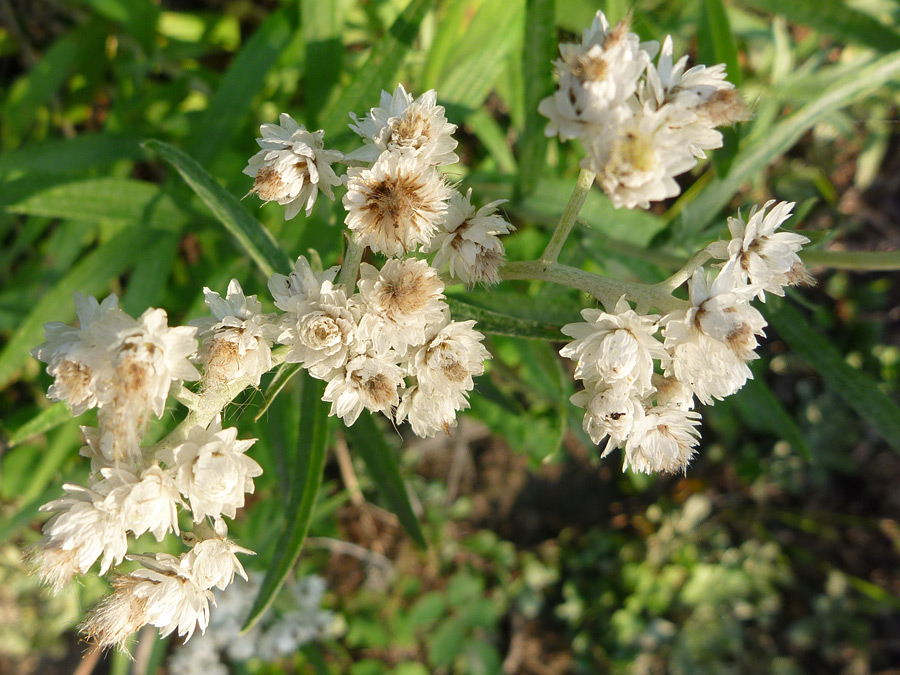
{"x":777,"y":553}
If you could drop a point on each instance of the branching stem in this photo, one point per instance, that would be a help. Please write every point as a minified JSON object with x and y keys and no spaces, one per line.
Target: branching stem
{"x":569,"y":216}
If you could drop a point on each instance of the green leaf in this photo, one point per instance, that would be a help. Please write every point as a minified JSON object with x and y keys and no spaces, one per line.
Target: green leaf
{"x":256,"y":241}
{"x":761,"y":409}
{"x":321,"y":24}
{"x":307,"y":480}
{"x":49,"y":418}
{"x":137,"y":17}
{"x":497,"y":323}
{"x":284,"y":374}
{"x":367,"y":439}
{"x":148,"y":281}
{"x":717,"y":45}
{"x":242,"y":82}
{"x":125,"y":199}
{"x":836,"y":18}
{"x":86,"y":151}
{"x":754,"y":158}
{"x":858,"y":390}
{"x":493,"y":32}
{"x":537,"y":55}
{"x":378,"y":72}
{"x":90,"y":276}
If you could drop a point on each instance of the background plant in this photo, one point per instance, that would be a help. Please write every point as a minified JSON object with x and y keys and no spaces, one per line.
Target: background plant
{"x":96,"y":212}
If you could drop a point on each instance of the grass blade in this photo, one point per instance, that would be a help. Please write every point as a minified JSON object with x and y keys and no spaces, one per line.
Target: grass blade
{"x":91,"y":275}
{"x":49,"y":418}
{"x":367,"y":439}
{"x":307,"y":480}
{"x":245,"y":78}
{"x":761,"y":409}
{"x":321,"y":24}
{"x":86,"y":151}
{"x":257,"y":241}
{"x":754,"y":158}
{"x":835,"y":18}
{"x":537,"y":54}
{"x":858,"y":390}
{"x":496,"y":323}
{"x":378,"y":72}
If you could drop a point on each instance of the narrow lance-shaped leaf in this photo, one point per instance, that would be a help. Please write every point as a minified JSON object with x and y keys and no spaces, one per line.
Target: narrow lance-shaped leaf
{"x":858,"y":390}
{"x":49,"y":418}
{"x":496,"y":323}
{"x":307,"y":480}
{"x":367,"y":439}
{"x":251,"y":235}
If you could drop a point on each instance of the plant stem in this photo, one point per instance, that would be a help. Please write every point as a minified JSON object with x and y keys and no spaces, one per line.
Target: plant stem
{"x":567,"y":220}
{"x":606,"y":290}
{"x":350,"y":266}
{"x":687,"y":271}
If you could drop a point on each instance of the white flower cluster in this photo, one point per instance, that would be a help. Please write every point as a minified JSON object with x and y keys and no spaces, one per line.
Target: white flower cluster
{"x":641,"y":124}
{"x":126,"y":368}
{"x":296,"y":620}
{"x":397,"y":327}
{"x":704,"y":351}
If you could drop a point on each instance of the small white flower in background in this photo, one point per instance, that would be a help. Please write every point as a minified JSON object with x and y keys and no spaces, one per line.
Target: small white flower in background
{"x":615,"y":348}
{"x":236,"y":342}
{"x":711,"y":342}
{"x":366,"y":381}
{"x":324,"y":335}
{"x":395,"y":206}
{"x":212,"y":471}
{"x":292,"y":166}
{"x":595,"y":77}
{"x":761,"y":256}
{"x":467,"y":240}
{"x":403,"y":125}
{"x":695,"y":100}
{"x":610,"y":412}
{"x":663,"y":440}
{"x":162,"y":594}
{"x":293,"y":292}
{"x":637,"y":158}
{"x":402,"y":300}
{"x":85,"y":526}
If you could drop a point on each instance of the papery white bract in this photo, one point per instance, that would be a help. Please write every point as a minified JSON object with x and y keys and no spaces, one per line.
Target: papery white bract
{"x":212,"y":471}
{"x":610,"y":412}
{"x":395,"y":206}
{"x":369,"y":381}
{"x":293,"y":292}
{"x":237,"y":341}
{"x":292,"y":166}
{"x":213,"y":562}
{"x":467,"y":241}
{"x":402,"y":125}
{"x":663,"y":440}
{"x":402,"y":300}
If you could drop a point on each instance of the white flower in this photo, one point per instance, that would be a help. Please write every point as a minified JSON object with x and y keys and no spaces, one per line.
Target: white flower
{"x":237,"y":341}
{"x":610,"y":411}
{"x":711,"y":342}
{"x":395,"y":206}
{"x":366,"y":381}
{"x":595,"y":77}
{"x":444,"y":366}
{"x":401,"y":302}
{"x":695,"y":100}
{"x":672,"y":393}
{"x":293,"y":292}
{"x":147,"y":503}
{"x":403,"y":125}
{"x":662,"y":441}
{"x":212,"y":471}
{"x":161,"y":594}
{"x":213,"y":561}
{"x":637,"y":157}
{"x":467,"y":240}
{"x":616,"y":348}
{"x":292,"y":166}
{"x":324,"y":336}
{"x":85,"y":527}
{"x":429,"y":413}
{"x":762,"y":256}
